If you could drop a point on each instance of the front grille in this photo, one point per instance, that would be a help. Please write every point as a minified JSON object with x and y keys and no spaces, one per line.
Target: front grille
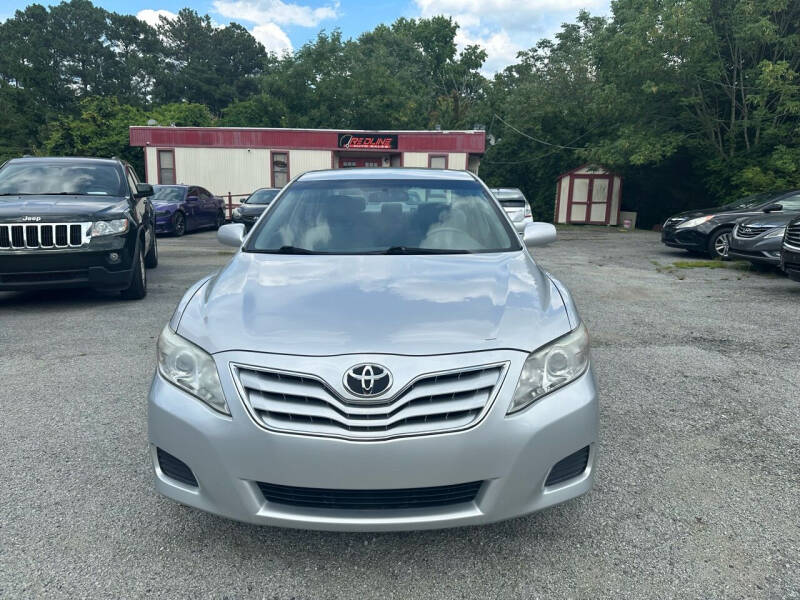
{"x":434,"y":403}
{"x":43,"y":235}
{"x":568,"y":468}
{"x":443,"y":495}
{"x":750,"y":231}
{"x":792,"y":236}
{"x":175,"y":468}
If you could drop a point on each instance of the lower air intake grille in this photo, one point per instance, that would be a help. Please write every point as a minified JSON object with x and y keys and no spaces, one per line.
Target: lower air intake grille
{"x":175,"y":469}
{"x":443,"y":495}
{"x":567,"y":468}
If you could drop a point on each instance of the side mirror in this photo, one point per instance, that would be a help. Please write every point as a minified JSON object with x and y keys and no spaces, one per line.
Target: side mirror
{"x":231,"y":234}
{"x":773,"y":208}
{"x":143,"y":190}
{"x":191,"y":198}
{"x":539,"y":234}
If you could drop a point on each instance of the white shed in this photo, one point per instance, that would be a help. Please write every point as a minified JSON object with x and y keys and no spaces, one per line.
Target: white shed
{"x":590,"y":195}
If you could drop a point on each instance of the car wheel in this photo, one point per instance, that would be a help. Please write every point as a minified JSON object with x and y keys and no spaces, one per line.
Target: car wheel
{"x":220,"y":220}
{"x":720,"y":243}
{"x":151,"y":258}
{"x":179,"y":224}
{"x":138,"y":287}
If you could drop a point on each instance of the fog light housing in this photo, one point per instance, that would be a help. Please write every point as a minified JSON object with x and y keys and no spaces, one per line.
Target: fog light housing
{"x":113,"y":257}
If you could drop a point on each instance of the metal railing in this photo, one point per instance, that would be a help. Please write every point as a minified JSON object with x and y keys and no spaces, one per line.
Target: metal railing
{"x":229,"y":205}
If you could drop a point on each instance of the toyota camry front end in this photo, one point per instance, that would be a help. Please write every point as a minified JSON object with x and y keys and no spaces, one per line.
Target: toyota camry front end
{"x":382,"y":353}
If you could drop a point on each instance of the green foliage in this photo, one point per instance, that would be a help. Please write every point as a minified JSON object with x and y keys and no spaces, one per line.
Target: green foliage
{"x":693,"y":102}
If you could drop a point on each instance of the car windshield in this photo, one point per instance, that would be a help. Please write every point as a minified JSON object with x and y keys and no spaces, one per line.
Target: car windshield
{"x":78,"y":179}
{"x":167,"y":194}
{"x":384,"y":217}
{"x":261,"y":197}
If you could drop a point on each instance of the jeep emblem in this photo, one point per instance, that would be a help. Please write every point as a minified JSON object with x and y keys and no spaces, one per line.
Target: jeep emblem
{"x":37,"y":219}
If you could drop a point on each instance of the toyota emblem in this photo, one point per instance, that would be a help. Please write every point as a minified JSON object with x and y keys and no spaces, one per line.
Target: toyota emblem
{"x":367,"y":380}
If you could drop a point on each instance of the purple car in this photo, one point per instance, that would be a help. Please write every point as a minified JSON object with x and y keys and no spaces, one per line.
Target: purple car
{"x":182,"y":208}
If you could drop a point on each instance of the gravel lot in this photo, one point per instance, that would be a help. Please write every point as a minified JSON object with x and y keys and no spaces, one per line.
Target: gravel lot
{"x":697,"y":491}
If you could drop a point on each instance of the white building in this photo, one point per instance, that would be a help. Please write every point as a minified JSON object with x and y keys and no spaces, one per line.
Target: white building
{"x":236,"y":161}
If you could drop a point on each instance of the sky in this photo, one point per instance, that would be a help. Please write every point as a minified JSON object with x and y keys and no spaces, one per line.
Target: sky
{"x":501,"y":27}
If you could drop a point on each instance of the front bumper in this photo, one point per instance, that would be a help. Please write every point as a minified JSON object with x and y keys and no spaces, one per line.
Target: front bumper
{"x":759,"y":249}
{"x":164,"y":224}
{"x":687,"y":239}
{"x":790,"y":263}
{"x":70,"y":268}
{"x":511,"y":455}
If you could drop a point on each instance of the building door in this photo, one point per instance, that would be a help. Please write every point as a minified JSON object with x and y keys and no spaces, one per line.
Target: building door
{"x":353,"y":162}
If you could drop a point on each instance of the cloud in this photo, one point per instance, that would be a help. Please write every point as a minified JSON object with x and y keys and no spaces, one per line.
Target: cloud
{"x":151,"y":17}
{"x":504,"y":27}
{"x":262,"y":12}
{"x":272,"y":37}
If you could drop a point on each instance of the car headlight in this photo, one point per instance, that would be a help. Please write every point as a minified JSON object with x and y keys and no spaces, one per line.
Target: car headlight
{"x":114,"y":227}
{"x":190,"y":368}
{"x":237,"y":212}
{"x":777,"y":232}
{"x":696,"y":222}
{"x":551,"y":367}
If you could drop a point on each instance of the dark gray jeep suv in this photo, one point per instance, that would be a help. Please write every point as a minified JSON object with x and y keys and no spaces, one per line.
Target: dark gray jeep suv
{"x":75,"y":222}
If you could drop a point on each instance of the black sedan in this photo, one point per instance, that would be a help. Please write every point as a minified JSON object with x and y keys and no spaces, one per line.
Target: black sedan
{"x":252,"y":207}
{"x":708,"y":231}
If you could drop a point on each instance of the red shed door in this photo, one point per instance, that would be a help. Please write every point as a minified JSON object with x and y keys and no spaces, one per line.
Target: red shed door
{"x":589,"y":199}
{"x":355,"y":162}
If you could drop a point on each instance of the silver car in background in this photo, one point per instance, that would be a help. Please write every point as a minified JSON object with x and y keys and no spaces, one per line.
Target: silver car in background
{"x":516,"y":206}
{"x":382,"y":353}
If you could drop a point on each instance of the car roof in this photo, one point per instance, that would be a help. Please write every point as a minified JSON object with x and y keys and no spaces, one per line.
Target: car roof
{"x":401,"y":173}
{"x":268,"y":189}
{"x":66,"y":159}
{"x":508,"y":193}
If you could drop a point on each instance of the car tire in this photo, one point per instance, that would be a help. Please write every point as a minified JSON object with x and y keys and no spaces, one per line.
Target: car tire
{"x":178,"y":224}
{"x":151,"y":258}
{"x":220,"y":220}
{"x":138,"y":287}
{"x":720,"y":243}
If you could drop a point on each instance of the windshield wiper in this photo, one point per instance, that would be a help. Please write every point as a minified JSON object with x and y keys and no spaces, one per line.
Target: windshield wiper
{"x":413,"y":250}
{"x":288,"y":250}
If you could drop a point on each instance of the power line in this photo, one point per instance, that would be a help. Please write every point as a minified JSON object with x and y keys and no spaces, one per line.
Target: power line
{"x":537,"y":140}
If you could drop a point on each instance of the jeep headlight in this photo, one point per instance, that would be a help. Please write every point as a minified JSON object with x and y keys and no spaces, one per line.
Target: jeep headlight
{"x":190,"y":368}
{"x":551,"y":367}
{"x":237,"y":212}
{"x":110,"y":227}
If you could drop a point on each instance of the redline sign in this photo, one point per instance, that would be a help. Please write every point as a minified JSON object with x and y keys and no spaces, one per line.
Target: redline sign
{"x":352,"y":141}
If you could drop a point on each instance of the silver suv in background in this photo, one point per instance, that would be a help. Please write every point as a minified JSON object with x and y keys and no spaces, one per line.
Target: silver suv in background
{"x":516,"y":206}
{"x":381,"y":353}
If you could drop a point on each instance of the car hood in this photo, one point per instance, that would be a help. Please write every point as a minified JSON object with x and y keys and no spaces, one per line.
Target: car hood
{"x":775,"y":219}
{"x":413,"y":305}
{"x":252,"y":210}
{"x":165,"y":206}
{"x":62,"y":208}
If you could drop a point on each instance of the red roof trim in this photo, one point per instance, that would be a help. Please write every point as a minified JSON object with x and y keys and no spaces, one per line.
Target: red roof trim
{"x":472,"y":142}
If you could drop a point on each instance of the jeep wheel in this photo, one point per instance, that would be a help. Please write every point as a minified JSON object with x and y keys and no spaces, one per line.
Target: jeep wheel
{"x":151,"y":258}
{"x":138,"y":287}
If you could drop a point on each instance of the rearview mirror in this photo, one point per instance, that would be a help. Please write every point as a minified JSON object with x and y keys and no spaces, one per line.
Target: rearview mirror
{"x":143,"y":190}
{"x":231,"y":234}
{"x":539,"y":234}
{"x":773,"y":208}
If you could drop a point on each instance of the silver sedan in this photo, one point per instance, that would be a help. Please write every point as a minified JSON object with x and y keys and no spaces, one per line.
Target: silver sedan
{"x":382,"y":353}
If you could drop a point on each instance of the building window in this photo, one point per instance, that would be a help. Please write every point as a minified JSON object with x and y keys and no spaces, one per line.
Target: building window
{"x":348,"y":164}
{"x":280,"y":169}
{"x":372,"y":163}
{"x":437,"y":162}
{"x":166,"y":167}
